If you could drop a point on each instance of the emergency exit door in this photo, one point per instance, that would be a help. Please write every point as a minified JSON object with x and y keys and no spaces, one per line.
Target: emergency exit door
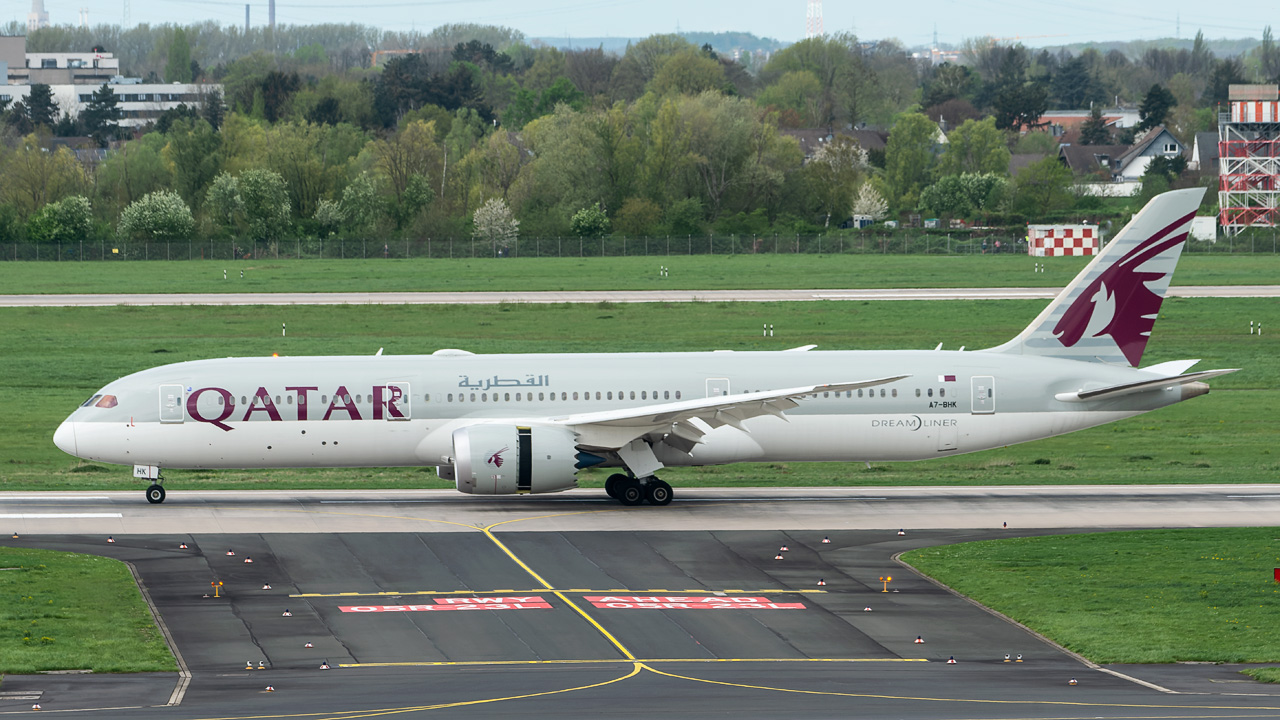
{"x":984,"y":395}
{"x":171,"y":399}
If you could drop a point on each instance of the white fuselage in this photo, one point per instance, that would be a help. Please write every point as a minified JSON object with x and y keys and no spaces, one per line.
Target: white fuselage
{"x":388,"y":411}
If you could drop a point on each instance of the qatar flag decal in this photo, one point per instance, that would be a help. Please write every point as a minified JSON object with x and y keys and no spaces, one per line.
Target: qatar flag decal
{"x":946,"y":378}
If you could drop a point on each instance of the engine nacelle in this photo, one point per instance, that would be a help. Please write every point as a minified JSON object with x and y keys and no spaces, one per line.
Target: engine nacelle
{"x":517,"y":459}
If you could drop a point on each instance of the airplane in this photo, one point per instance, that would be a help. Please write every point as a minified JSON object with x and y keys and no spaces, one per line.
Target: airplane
{"x":527,"y":423}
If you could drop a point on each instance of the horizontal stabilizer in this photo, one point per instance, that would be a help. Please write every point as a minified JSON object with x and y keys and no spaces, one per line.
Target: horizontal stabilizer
{"x":1137,"y":387}
{"x":1171,"y":368}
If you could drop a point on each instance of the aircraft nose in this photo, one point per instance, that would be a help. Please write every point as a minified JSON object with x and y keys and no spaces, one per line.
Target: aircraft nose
{"x":65,"y":437}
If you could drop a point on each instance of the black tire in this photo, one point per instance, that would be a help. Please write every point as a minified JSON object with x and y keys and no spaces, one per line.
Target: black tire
{"x":155,"y":494}
{"x":631,"y":492}
{"x":613,"y":483}
{"x":657,"y":492}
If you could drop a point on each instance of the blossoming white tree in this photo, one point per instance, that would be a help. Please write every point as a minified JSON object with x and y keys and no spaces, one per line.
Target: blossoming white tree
{"x":869,"y":202}
{"x":494,"y":223}
{"x":161,"y":215}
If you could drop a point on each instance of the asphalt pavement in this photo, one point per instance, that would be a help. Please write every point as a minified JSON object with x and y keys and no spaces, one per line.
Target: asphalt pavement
{"x":587,"y":622}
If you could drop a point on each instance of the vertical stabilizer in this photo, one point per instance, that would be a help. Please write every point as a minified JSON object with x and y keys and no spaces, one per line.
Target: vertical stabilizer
{"x":1107,"y":312}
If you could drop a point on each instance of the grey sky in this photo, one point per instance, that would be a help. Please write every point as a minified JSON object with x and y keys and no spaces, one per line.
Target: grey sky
{"x":912,"y":22}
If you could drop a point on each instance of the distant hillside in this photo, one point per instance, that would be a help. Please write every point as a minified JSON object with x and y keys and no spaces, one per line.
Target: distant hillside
{"x":1222,"y":47}
{"x":721,"y":42}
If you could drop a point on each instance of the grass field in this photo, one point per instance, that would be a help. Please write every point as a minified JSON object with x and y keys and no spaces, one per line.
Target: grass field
{"x":1152,"y":596}
{"x":1271,"y":675}
{"x":55,"y":357}
{"x":63,"y":611}
{"x":700,"y":272}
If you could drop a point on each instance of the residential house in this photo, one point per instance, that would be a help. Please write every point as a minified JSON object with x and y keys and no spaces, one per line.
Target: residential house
{"x":1122,"y":163}
{"x":811,"y":139}
{"x":1204,"y":154}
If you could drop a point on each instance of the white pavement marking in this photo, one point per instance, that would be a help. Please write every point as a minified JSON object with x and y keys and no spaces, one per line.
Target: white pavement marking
{"x":59,"y":498}
{"x":56,"y":516}
{"x":592,"y":296}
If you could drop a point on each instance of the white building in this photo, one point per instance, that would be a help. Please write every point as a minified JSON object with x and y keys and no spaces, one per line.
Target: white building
{"x":139,"y":103}
{"x":23,"y":68}
{"x":73,"y":77}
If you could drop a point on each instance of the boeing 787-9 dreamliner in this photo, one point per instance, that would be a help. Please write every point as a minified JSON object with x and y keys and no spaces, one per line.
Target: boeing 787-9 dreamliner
{"x":514,"y":424}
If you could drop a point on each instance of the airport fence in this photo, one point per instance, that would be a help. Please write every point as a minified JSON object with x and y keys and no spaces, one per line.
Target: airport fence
{"x":899,"y":243}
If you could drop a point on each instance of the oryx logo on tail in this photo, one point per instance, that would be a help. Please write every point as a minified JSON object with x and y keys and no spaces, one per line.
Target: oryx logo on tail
{"x":1118,"y":302}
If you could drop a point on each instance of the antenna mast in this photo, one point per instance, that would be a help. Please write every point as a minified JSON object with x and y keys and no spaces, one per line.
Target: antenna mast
{"x":813,"y":20}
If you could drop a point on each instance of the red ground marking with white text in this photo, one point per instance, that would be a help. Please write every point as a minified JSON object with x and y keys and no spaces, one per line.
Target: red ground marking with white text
{"x":532,"y":602}
{"x":687,"y":602}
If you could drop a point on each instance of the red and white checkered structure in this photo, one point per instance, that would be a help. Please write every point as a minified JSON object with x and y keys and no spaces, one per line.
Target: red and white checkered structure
{"x":1062,"y":240}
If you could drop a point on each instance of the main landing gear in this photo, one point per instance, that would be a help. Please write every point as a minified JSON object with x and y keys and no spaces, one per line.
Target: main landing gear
{"x":631,"y":491}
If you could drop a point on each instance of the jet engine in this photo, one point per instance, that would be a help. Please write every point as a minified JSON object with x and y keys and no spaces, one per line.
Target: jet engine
{"x":517,"y":459}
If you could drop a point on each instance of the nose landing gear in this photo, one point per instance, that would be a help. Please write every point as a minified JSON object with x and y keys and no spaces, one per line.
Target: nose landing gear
{"x":155,"y":494}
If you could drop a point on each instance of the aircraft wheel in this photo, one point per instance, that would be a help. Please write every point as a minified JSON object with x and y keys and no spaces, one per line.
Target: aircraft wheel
{"x":657,"y":492}
{"x":612,"y":485}
{"x":155,"y":494}
{"x":630,"y":492}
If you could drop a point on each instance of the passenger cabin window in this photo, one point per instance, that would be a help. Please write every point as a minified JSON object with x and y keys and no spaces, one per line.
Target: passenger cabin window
{"x":930,"y":392}
{"x":942,"y":392}
{"x":677,"y":394}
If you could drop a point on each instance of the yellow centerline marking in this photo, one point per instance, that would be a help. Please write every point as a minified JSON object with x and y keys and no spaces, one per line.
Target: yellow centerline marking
{"x":483,"y":663}
{"x":488,"y":532}
{"x":949,"y":699}
{"x":345,"y":714}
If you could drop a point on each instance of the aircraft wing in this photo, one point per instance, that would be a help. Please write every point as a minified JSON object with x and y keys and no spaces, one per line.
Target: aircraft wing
{"x":1140,"y":386}
{"x":689,"y":420}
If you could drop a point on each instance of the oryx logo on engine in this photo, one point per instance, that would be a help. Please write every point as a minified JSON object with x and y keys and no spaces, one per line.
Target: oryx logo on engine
{"x":496,"y":458}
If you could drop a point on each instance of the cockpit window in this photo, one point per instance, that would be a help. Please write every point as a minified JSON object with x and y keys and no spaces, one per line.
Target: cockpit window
{"x":90,"y":401}
{"x":107,"y":401}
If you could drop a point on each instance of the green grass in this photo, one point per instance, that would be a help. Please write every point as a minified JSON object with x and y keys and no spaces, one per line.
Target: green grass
{"x":1269,"y":675}
{"x":701,"y":272}
{"x":1153,"y":596}
{"x":53,"y":358}
{"x":64,"y":611}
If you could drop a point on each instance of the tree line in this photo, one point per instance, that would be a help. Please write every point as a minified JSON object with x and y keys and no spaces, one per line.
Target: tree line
{"x":480,"y":133}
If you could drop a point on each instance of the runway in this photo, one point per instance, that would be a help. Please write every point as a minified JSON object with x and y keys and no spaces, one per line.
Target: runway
{"x":592,"y":296}
{"x":433,"y":603}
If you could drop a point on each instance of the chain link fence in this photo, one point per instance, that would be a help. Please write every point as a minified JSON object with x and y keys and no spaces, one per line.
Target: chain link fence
{"x":865,"y":243}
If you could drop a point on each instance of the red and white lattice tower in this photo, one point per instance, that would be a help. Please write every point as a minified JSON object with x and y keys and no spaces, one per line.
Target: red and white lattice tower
{"x":813,"y":19}
{"x":1249,"y":159}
